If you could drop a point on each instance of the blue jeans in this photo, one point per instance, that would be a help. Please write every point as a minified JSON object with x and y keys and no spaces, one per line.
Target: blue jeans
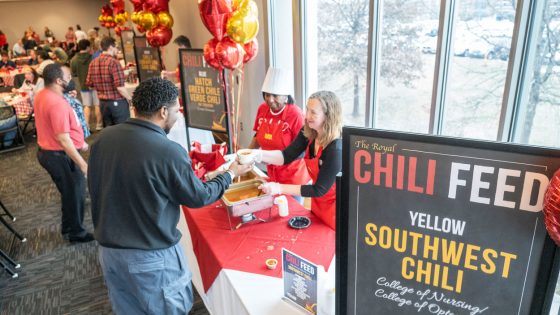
{"x":147,"y":281}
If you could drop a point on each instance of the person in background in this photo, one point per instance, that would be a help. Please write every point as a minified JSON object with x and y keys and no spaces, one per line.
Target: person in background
{"x":79,"y":34}
{"x":33,"y":58}
{"x":70,"y":36}
{"x":70,"y":96}
{"x":29,"y":41}
{"x":49,"y":35}
{"x":137,"y":180}
{"x":3,"y":42}
{"x":44,"y":60}
{"x":28,"y":86}
{"x":60,"y":56}
{"x":277,"y":124}
{"x":106,"y":76}
{"x":5,"y":62}
{"x":18,"y":49}
{"x":60,"y":136}
{"x":182,"y":41}
{"x":321,"y":142}
{"x":80,"y":65}
{"x":34,"y":34}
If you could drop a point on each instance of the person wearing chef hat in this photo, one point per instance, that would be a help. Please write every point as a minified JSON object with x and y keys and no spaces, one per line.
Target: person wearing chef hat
{"x":277,"y":124}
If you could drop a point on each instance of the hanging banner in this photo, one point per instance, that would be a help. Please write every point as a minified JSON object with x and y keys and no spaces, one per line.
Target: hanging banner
{"x":148,"y":60}
{"x":433,"y":225}
{"x":203,"y":92}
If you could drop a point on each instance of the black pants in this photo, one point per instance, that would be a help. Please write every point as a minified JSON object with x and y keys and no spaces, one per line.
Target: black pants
{"x":114,"y":111}
{"x":70,"y":182}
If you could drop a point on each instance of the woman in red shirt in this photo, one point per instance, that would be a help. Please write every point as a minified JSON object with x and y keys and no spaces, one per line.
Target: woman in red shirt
{"x":277,"y":124}
{"x":3,"y":41}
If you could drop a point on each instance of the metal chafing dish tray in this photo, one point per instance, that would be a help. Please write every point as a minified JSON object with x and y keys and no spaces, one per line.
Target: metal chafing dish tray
{"x":252,"y":174}
{"x":245,"y":198}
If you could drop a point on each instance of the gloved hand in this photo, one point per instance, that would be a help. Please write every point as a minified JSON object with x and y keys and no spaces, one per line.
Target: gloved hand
{"x":271,"y":188}
{"x":257,"y":155}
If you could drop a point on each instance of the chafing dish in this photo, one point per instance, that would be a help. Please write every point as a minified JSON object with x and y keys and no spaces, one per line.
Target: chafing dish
{"x":245,"y":198}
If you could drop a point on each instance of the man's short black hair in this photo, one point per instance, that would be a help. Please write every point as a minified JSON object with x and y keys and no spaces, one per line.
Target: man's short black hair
{"x":107,"y":42}
{"x":182,"y":40}
{"x":83,"y":44}
{"x":153,"y":94}
{"x":52,"y":72}
{"x":44,"y":54}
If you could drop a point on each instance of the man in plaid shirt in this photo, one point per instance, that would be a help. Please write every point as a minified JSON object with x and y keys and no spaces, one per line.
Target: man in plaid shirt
{"x":106,"y":76}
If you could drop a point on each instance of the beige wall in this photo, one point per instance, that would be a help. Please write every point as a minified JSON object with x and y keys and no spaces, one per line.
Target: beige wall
{"x":56,"y":14}
{"x":59,"y":14}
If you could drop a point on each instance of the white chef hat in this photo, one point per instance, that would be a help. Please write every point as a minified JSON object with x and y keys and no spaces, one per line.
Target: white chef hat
{"x":278,"y":81}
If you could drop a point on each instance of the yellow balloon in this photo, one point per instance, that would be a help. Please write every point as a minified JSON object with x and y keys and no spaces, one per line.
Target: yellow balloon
{"x":148,"y":20}
{"x":135,"y":17}
{"x":101,"y":18}
{"x":239,"y":4}
{"x":242,"y":27}
{"x":165,"y":19}
{"x":120,"y":19}
{"x":109,"y":18}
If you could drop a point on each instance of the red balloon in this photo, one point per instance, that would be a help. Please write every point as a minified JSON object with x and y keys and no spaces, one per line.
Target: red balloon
{"x":159,"y":36}
{"x":140,"y":29}
{"x":156,"y":6}
{"x":137,"y":4}
{"x":551,"y":208}
{"x":229,"y":53}
{"x":210,"y":54}
{"x":118,"y":6}
{"x":251,"y":49}
{"x":214,"y":15}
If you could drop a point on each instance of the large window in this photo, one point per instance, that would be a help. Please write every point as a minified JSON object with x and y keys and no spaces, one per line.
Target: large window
{"x":336,"y":50}
{"x":409,"y":33}
{"x":481,"y":41}
{"x":538,"y":119}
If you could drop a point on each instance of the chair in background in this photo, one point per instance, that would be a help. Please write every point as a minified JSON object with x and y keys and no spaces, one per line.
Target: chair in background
{"x":18,"y":80}
{"x":6,"y":262}
{"x":11,"y":137}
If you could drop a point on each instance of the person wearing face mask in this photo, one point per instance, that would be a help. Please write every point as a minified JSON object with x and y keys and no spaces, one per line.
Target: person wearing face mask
{"x":137,"y":179}
{"x":60,"y":137}
{"x":277,"y":124}
{"x":70,"y":96}
{"x":106,"y":76}
{"x":321,"y":142}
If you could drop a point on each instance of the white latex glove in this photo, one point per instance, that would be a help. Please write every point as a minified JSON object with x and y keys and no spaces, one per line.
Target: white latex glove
{"x":257,"y":155}
{"x":271,"y":188}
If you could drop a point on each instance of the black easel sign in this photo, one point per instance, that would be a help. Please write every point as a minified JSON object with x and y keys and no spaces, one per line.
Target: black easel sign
{"x":148,"y":59}
{"x":203,"y":93}
{"x":434,"y":225}
{"x":127,"y":42}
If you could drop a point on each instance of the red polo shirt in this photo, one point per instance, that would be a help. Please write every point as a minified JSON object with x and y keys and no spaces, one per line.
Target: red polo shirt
{"x":53,"y":116}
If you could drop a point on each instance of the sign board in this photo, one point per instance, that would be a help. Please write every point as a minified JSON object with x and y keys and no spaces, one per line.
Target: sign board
{"x":148,"y":60}
{"x":127,"y":42}
{"x":300,"y":281}
{"x":433,"y":225}
{"x":203,"y":92}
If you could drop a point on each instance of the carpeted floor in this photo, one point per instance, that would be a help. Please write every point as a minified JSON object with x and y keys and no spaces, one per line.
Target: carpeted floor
{"x":56,"y":277}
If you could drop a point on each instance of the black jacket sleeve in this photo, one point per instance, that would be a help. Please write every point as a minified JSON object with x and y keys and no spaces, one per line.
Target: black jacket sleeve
{"x":330,"y":164}
{"x":296,"y":149}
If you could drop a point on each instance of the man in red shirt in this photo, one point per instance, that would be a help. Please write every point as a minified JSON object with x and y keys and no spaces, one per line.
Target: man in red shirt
{"x":106,"y":76}
{"x":60,"y":136}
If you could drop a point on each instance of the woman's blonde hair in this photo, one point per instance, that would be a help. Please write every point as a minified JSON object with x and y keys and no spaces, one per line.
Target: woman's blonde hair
{"x":332,"y":126}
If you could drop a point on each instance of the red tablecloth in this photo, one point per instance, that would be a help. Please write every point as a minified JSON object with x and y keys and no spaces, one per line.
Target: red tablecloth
{"x":247,"y":248}
{"x":22,"y":104}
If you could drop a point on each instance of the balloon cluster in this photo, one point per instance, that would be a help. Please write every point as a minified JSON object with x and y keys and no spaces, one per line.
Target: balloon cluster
{"x":106,"y":18}
{"x":121,"y":16}
{"x":551,"y":208}
{"x":234,"y":25}
{"x":153,"y":18}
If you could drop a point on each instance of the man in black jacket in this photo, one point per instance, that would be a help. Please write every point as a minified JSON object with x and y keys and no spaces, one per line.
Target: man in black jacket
{"x":137,"y":180}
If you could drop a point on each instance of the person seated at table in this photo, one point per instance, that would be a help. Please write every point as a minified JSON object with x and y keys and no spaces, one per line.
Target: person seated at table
{"x":30,"y":81}
{"x":320,"y":140}
{"x":3,"y":41}
{"x":277,"y":124}
{"x":44,"y":60}
{"x":33,"y":58}
{"x":59,"y":56}
{"x":17,"y":49}
{"x":29,"y":41}
{"x":6,"y":63}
